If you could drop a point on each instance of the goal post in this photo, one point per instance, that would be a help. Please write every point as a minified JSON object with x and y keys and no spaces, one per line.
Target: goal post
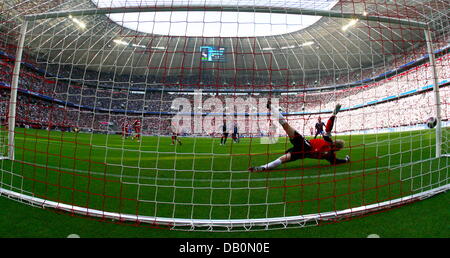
{"x":143,"y":170}
{"x":14,"y":87}
{"x":437,"y":97}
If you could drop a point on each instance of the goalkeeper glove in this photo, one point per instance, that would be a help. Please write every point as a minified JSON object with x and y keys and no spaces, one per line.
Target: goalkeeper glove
{"x":337,"y":108}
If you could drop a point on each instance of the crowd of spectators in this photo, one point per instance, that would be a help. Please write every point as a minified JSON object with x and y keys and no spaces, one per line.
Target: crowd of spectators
{"x":118,"y":105}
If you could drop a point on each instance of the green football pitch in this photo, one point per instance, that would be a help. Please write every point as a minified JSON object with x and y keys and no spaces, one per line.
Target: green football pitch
{"x":201,"y":179}
{"x":424,"y":219}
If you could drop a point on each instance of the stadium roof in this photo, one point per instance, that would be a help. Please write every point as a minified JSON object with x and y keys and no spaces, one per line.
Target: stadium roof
{"x":329,"y":47}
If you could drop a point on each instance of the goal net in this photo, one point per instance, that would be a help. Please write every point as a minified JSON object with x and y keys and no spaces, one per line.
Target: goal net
{"x":164,"y":112}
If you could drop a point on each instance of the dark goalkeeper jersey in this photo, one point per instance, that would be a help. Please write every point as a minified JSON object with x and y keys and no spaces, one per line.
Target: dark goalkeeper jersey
{"x":320,"y":126}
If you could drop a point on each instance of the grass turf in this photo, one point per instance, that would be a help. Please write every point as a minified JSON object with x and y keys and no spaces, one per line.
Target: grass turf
{"x":410,"y":221}
{"x":201,"y":179}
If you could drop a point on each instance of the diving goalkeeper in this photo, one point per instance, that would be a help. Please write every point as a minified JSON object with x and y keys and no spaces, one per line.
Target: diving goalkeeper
{"x":302,"y":148}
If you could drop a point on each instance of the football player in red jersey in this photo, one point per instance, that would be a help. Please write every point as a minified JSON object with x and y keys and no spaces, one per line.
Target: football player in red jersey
{"x":125,"y":129}
{"x":137,"y":130}
{"x":175,"y":138}
{"x":302,"y":148}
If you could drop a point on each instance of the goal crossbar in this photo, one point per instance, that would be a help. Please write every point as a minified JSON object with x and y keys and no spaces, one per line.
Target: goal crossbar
{"x":254,"y":9}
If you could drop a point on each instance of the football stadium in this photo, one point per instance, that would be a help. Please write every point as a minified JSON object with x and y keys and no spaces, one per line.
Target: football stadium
{"x":189,"y":117}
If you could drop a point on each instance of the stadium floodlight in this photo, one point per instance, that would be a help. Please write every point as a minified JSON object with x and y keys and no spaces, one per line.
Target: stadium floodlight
{"x":124,"y":43}
{"x":120,"y":42}
{"x":88,"y":134}
{"x":79,"y":23}
{"x":308,"y":43}
{"x":351,"y":23}
{"x":138,"y":46}
{"x":268,"y":49}
{"x":288,"y":47}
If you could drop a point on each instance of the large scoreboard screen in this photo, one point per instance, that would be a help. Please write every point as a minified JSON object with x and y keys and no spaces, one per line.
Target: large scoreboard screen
{"x":212,"y":54}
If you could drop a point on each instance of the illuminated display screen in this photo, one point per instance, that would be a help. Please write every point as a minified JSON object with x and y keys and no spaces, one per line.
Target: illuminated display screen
{"x":212,"y":54}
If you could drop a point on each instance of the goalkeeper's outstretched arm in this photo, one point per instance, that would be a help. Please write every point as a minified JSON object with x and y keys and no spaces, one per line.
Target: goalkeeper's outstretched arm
{"x":335,"y":161}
